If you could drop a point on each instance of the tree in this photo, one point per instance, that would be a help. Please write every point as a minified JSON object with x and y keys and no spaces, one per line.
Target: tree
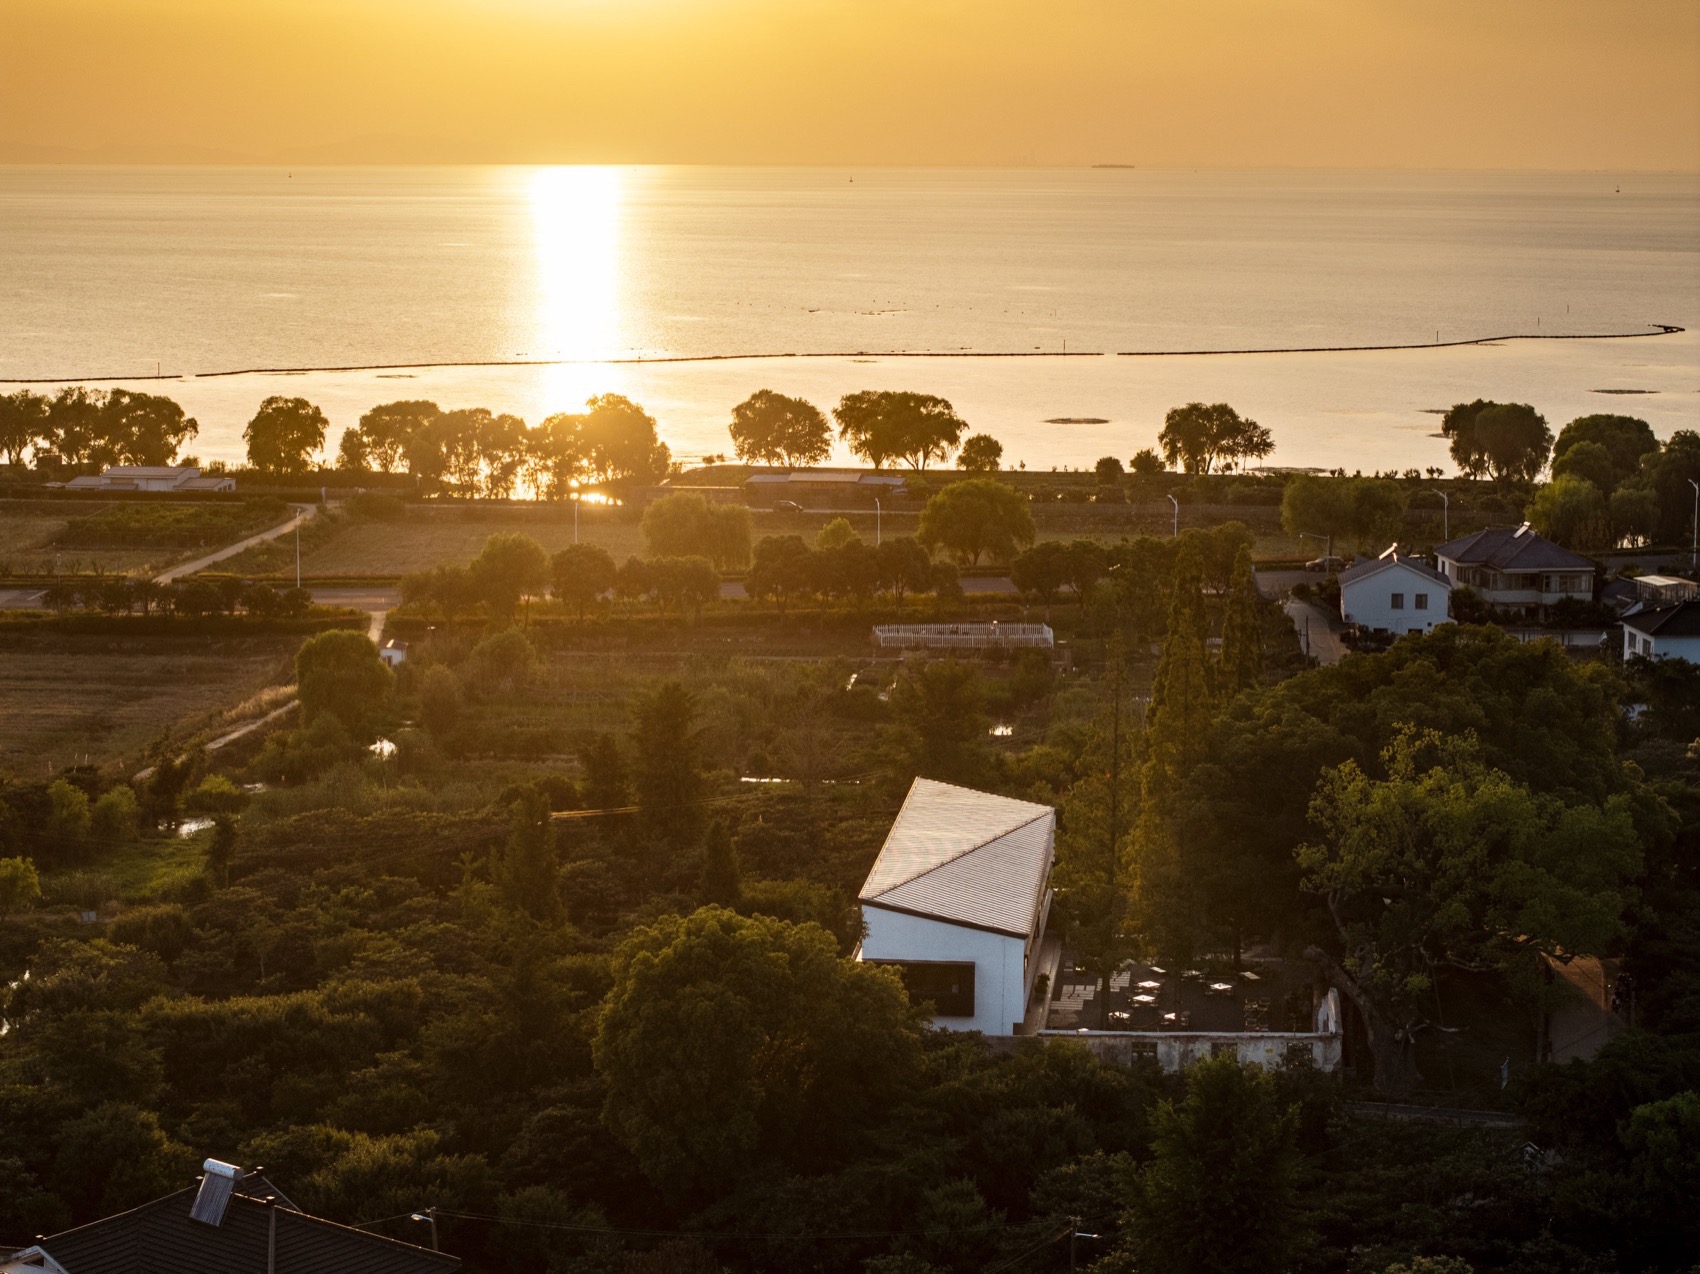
{"x":619,"y":441}
{"x":1218,"y":1194}
{"x":1507,"y":440}
{"x":1146,"y":463}
{"x":1109,"y":471}
{"x":451,"y":589}
{"x":581,"y":573}
{"x":1241,"y":665}
{"x":1166,"y":906}
{"x":683,"y":524}
{"x":981,"y":453}
{"x":939,"y":730}
{"x":509,"y":567}
{"x":141,"y":429}
{"x":1199,"y":435}
{"x":1042,"y":570}
{"x":668,"y":776}
{"x":20,"y":887}
{"x":1571,"y":511}
{"x":794,"y":1052}
{"x":685,"y":583}
{"x":221,"y":849}
{"x":975,"y":518}
{"x":836,"y":534}
{"x":1449,"y":863}
{"x":886,"y":425}
{"x":526,"y":871}
{"x":115,"y":817}
{"x":904,"y":566}
{"x":1369,"y":511}
{"x":283,"y":435}
{"x":555,"y":460}
{"x":74,"y":427}
{"x":386,"y":431}
{"x":720,"y":884}
{"x":1590,"y":462}
{"x":1626,"y":441}
{"x":339,"y":674}
{"x":770,"y":428}
{"x":783,"y":569}
{"x":23,"y":424}
{"x":604,"y":774}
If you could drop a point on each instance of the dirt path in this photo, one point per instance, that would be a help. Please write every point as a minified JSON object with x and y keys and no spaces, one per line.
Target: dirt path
{"x":302,"y":513}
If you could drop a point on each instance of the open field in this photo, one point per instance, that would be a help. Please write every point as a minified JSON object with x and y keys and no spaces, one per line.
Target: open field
{"x":348,"y":547}
{"x":69,"y":696}
{"x":28,"y":532}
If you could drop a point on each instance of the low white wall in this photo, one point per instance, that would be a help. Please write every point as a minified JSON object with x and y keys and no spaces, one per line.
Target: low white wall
{"x":1176,"y":1050}
{"x":1000,"y":992}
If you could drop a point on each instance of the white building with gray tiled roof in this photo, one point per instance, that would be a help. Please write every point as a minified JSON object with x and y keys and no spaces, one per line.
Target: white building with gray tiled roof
{"x":958,"y":900}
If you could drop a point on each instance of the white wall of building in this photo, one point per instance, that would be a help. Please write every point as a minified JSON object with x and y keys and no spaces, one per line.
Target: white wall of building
{"x":1369,"y":602}
{"x":1656,"y":647}
{"x":1000,"y":982}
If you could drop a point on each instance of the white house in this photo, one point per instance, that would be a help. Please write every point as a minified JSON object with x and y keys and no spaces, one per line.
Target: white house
{"x":1394,"y":594}
{"x":1518,"y":571}
{"x":1670,"y":632}
{"x":393,"y":652}
{"x":958,"y":900}
{"x":136,"y":477}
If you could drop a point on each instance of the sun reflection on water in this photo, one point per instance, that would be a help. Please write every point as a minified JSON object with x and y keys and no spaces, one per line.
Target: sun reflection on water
{"x":575,"y":213}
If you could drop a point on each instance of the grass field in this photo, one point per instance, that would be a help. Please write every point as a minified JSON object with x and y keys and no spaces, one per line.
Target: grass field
{"x":68,"y":696}
{"x":342,"y":547}
{"x":29,"y":529}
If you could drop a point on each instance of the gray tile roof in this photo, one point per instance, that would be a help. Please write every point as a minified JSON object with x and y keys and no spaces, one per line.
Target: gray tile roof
{"x":1375,"y":565}
{"x":1512,"y":549}
{"x":965,"y":857}
{"x":160,"y":1238}
{"x":1681,"y":620}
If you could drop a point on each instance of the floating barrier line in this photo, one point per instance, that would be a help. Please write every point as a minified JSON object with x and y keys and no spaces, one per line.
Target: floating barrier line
{"x":1660,"y":329}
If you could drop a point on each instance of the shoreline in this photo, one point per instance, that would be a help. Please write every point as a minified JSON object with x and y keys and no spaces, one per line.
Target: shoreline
{"x":1659,"y":329}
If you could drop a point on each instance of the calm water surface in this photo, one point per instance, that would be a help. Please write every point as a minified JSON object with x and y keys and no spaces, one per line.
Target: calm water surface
{"x":111,"y":272}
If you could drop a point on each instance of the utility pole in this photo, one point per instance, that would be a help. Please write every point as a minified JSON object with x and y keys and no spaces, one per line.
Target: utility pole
{"x":1694,"y":549}
{"x":575,"y":519}
{"x":298,"y":548}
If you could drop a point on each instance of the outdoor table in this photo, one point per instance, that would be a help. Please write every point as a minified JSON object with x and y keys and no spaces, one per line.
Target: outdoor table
{"x":1150,"y":986}
{"x":1145,"y":999}
{"x":1222,"y":988}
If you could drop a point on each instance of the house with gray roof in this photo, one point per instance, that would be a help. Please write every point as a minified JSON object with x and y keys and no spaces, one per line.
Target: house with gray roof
{"x":232,"y":1222}
{"x":1394,"y":593}
{"x":1667,"y":632}
{"x":149,"y":477}
{"x":1517,"y":571}
{"x":957,"y":901}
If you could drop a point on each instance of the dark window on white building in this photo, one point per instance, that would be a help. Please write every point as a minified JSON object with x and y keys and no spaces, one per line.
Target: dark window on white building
{"x":1421,"y":601}
{"x":1398,"y":601}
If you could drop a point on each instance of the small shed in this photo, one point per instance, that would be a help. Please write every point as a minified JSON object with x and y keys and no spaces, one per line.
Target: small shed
{"x":393,"y":652}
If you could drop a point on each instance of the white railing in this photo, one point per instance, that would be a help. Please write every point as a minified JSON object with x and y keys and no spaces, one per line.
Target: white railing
{"x":964,"y":636}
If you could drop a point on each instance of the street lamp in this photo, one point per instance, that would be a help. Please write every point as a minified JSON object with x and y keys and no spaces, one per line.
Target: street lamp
{"x":1177,"y":505}
{"x":575,"y":519}
{"x":429,"y":1214}
{"x":877,"y":517}
{"x":1445,"y":515}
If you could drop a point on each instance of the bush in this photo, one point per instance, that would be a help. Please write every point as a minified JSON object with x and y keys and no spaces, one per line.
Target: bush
{"x":374,"y":506}
{"x":216,"y":795}
{"x":115,"y":816}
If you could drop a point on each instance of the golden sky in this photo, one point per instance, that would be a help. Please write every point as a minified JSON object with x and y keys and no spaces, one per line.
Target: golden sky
{"x":1557,"y":84}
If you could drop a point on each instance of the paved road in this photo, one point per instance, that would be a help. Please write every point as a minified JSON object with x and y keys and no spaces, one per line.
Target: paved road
{"x":366,"y":597}
{"x":1316,"y":631}
{"x":21,"y":598}
{"x":1580,"y":1027}
{"x":302,"y":513}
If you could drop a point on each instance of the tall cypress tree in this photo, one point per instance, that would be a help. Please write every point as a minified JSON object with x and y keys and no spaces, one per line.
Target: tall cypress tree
{"x":528,"y":868}
{"x":1241,"y":666}
{"x":1164,"y":899}
{"x":721,"y":884}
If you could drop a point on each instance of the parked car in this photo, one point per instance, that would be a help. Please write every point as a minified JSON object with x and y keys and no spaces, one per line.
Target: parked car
{"x":787,"y":506}
{"x":1325,"y":565}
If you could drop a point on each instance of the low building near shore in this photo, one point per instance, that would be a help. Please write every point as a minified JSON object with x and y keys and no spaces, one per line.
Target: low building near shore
{"x":150,"y":478}
{"x":1666,"y":632}
{"x":822,"y":488}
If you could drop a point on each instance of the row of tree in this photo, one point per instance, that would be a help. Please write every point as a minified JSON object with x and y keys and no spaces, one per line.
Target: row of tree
{"x":80,"y":427}
{"x":193,"y":598}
